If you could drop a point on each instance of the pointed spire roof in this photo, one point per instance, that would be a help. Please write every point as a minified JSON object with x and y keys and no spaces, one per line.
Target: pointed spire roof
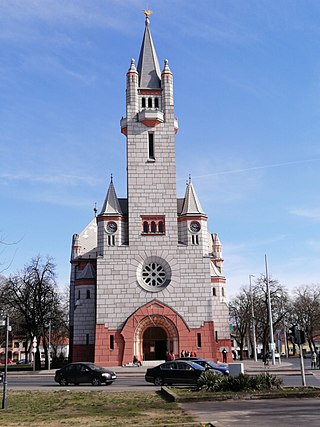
{"x":191,"y":203}
{"x":111,"y":205}
{"x":148,"y":65}
{"x":87,"y":273}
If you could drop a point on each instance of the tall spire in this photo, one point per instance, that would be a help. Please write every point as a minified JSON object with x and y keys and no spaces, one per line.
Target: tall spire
{"x":191,"y":204}
{"x":111,"y":205}
{"x":148,"y":65}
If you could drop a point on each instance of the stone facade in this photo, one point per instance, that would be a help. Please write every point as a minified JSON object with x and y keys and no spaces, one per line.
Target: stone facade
{"x":147,"y":276}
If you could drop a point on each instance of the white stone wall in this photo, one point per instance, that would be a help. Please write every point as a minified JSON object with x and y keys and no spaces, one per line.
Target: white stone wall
{"x":84,"y":315}
{"x":119,"y":293}
{"x":221,"y":312}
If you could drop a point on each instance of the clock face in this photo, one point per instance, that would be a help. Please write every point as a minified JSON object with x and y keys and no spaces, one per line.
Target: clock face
{"x":111,"y":227}
{"x":195,"y":226}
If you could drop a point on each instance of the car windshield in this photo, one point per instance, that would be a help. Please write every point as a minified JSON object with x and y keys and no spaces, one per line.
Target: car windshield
{"x":196,"y":366}
{"x":94,"y":367}
{"x":214,"y":365}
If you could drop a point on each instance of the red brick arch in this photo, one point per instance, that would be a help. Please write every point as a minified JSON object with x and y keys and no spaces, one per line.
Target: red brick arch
{"x":153,"y":313}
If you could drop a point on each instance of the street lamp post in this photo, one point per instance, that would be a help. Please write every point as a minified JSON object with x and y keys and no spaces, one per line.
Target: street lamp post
{"x":253,"y":322}
{"x":272,"y":345}
{"x":49,"y":345}
{"x":5,"y":377}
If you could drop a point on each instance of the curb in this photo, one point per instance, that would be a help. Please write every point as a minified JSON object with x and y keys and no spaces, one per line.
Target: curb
{"x":171,"y":396}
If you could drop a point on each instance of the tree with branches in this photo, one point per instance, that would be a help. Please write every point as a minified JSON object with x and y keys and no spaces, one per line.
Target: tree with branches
{"x":34,"y":301}
{"x":240,"y":316}
{"x":306,"y":312}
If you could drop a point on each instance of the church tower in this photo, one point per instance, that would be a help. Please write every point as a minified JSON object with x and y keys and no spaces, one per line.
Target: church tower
{"x":154,"y":272}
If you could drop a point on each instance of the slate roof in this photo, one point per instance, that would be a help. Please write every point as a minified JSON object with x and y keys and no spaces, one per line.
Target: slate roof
{"x":148,"y":65}
{"x":111,"y":205}
{"x":191,"y":203}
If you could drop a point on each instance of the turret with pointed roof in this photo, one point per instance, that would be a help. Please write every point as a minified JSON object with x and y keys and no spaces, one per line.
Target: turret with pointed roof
{"x":111,"y":205}
{"x":148,"y":65}
{"x":191,"y":204}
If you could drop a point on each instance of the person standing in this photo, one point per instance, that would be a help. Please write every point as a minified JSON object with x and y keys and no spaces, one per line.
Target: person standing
{"x":224,"y":355}
{"x":313,"y":360}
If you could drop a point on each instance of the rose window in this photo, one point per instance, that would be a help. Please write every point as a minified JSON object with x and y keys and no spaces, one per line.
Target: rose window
{"x":154,"y":275}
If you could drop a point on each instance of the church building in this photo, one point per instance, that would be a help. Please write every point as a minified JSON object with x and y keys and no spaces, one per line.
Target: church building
{"x":146,"y":274}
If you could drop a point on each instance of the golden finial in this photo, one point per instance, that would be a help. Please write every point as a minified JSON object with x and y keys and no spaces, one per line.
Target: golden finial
{"x":147,"y":12}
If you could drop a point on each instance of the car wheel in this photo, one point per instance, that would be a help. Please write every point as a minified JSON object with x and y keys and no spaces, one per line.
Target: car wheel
{"x":158,"y":381}
{"x":96,"y":381}
{"x":63,"y":381}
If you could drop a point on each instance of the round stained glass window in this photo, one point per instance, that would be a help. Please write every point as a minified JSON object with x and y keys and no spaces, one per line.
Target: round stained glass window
{"x":154,"y":274}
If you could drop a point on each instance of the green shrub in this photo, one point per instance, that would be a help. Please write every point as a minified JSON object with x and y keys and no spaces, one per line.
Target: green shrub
{"x":211,"y":381}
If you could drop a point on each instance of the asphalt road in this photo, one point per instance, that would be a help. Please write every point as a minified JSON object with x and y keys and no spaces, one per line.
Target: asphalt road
{"x":124,"y":382}
{"x":261,"y":413}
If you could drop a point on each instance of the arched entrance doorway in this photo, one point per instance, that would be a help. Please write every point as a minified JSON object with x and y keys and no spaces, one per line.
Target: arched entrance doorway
{"x":154,"y":343}
{"x":154,"y":336}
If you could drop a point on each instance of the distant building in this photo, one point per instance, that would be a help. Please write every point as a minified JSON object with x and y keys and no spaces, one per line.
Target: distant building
{"x":146,"y":275}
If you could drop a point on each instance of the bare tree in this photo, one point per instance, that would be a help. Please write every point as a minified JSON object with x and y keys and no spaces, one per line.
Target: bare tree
{"x":306,"y":311}
{"x":240,"y":315}
{"x":33,"y":296}
{"x":279,"y":307}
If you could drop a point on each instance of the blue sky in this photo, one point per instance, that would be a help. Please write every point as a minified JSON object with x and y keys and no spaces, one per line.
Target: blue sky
{"x":247,"y":96}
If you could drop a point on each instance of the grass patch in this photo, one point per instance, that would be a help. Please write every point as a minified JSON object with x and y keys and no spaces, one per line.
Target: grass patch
{"x":184,"y":394}
{"x":90,"y":409}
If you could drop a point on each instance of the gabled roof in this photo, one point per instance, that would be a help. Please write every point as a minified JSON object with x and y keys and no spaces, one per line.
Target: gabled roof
{"x":148,"y":65}
{"x":191,"y":203}
{"x":87,"y":273}
{"x":111,"y":205}
{"x":88,"y":239}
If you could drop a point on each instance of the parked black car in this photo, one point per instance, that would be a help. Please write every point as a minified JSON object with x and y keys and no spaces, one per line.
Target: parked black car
{"x":222,"y":368}
{"x":84,"y":372}
{"x":175,"y":372}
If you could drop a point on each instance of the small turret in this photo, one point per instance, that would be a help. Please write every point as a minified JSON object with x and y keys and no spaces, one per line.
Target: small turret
{"x":167,"y":91}
{"x":217,"y":252}
{"x":75,"y":250}
{"x":111,"y":205}
{"x":132,"y":91}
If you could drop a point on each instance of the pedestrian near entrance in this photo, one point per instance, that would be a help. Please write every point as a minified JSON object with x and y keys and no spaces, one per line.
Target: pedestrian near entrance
{"x":224,"y":355}
{"x":314,"y":360}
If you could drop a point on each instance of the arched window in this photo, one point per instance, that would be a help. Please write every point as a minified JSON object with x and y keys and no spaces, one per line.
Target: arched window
{"x":145,"y":227}
{"x":143,"y":102}
{"x":153,"y":227}
{"x":150,"y":102}
{"x":156,"y":102}
{"x":160,"y":227}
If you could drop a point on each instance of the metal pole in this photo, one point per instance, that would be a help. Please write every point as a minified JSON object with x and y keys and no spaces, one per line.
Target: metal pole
{"x":270,"y":315}
{"x":253,"y":322}
{"x":285,"y":338}
{"x":5,"y":380}
{"x":303,"y":376}
{"x":49,"y":345}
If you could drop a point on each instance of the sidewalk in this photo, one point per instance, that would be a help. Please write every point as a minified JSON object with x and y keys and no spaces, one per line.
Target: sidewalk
{"x":284,"y":368}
